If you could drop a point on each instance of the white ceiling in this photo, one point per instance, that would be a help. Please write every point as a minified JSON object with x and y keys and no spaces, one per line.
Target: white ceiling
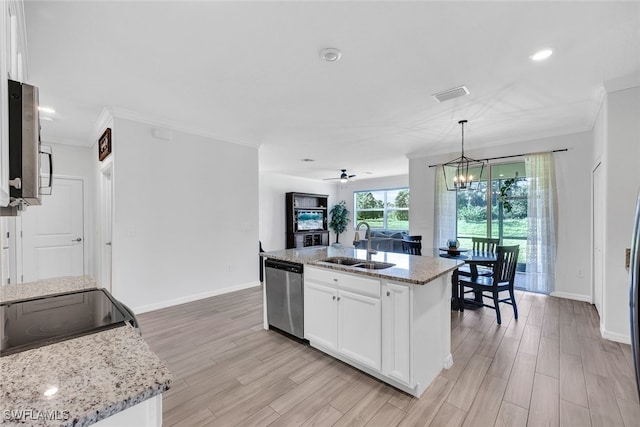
{"x":250,"y":72}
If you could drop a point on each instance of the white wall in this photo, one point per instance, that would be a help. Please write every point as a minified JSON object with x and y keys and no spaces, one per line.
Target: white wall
{"x":72,"y":160}
{"x":273,"y":188}
{"x":573,"y":172}
{"x":185,"y":217}
{"x":621,"y":155}
{"x":345,"y":192}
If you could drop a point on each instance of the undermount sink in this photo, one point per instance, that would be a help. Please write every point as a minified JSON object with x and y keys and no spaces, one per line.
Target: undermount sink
{"x":358,"y":263}
{"x":343,"y":261}
{"x":374,"y":265}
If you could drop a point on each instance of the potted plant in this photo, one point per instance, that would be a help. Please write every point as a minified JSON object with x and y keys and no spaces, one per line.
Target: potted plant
{"x":339,"y":219}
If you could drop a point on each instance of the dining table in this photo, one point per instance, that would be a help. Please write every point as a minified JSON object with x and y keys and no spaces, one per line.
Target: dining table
{"x":473,"y":258}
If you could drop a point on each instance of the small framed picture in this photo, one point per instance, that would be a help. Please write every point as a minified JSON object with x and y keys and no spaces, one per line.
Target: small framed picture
{"x":104,"y":145}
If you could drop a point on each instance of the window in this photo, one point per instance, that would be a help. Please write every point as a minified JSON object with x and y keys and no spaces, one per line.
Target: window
{"x":382,"y":209}
{"x":480,"y":215}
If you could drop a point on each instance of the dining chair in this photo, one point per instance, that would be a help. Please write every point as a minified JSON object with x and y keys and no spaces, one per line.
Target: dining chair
{"x":480,"y":244}
{"x":416,"y":238}
{"x":504,"y":273}
{"x":412,"y":248}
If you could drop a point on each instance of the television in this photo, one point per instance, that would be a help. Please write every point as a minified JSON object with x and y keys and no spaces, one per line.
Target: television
{"x":309,"y":220}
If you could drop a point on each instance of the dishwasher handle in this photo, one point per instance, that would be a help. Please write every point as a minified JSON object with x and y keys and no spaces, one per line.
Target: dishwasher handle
{"x":284,"y":265}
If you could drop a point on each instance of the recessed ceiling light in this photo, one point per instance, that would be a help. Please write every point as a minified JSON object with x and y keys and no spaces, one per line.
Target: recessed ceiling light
{"x":330,"y":54}
{"x":46,"y":109}
{"x":541,"y":55}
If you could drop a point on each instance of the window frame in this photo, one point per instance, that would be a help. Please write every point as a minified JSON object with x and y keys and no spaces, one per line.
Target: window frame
{"x":385,"y":209}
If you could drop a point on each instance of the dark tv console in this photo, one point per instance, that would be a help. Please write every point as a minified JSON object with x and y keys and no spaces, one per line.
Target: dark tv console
{"x":307,"y":222}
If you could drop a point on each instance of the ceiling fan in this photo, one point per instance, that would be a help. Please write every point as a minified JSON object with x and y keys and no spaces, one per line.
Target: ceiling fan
{"x":343,"y":176}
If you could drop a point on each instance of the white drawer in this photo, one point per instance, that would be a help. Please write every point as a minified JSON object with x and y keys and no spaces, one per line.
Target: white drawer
{"x":352,"y":282}
{"x":322,"y":275}
{"x":360,"y":285}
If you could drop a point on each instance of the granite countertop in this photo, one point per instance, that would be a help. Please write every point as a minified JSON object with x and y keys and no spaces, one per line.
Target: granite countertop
{"x":96,"y":375}
{"x":412,"y":269}
{"x":20,"y":291}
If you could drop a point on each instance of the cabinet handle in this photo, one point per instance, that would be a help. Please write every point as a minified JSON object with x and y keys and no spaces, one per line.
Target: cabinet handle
{"x":334,"y":297}
{"x":335,"y":280}
{"x":388,"y":293}
{"x":338,"y":298}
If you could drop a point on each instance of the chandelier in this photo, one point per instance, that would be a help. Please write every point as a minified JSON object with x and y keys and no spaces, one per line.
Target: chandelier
{"x":460,"y":175}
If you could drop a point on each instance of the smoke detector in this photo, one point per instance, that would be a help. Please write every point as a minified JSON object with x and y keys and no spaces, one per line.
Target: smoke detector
{"x":330,"y":54}
{"x":451,"y":93}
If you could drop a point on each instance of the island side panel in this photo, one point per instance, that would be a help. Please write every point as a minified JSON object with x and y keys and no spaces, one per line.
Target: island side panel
{"x":431,"y":331}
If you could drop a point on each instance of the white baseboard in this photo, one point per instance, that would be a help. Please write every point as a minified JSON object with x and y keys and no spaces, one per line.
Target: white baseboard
{"x":614,"y":336}
{"x":448,"y":361}
{"x":190,"y":298}
{"x":576,"y":297}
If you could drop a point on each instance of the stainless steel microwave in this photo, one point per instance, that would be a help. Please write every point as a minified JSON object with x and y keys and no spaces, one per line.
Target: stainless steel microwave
{"x":26,"y":181}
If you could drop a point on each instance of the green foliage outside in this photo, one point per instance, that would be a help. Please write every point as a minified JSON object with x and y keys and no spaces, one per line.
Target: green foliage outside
{"x":472,"y":213}
{"x":402,"y":201}
{"x":396,"y":219}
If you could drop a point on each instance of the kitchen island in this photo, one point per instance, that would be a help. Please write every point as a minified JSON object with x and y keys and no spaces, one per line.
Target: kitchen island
{"x":110,"y":378}
{"x":393,"y":323}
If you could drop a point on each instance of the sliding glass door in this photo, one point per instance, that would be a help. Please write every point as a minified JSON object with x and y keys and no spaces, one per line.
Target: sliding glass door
{"x":498,"y":210}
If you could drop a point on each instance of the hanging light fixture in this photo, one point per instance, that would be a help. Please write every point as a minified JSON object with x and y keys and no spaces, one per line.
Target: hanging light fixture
{"x":461,"y":170}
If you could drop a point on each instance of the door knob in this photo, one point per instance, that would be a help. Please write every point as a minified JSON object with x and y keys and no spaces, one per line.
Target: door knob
{"x":108,"y":243}
{"x":79,"y":239}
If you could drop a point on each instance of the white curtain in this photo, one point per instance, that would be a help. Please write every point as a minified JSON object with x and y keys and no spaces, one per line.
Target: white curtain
{"x":541,"y":214}
{"x":445,"y":211}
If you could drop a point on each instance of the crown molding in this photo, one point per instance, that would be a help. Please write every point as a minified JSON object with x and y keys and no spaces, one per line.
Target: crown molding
{"x":150,"y":120}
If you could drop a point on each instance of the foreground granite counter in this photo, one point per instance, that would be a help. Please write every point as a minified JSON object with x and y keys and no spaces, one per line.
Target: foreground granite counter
{"x":412,"y":269}
{"x":80,"y":381}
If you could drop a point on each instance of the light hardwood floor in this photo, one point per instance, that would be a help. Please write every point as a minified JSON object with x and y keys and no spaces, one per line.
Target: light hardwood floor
{"x":548,"y":368}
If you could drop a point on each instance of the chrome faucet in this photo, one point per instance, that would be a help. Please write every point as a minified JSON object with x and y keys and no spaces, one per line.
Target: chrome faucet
{"x":356,"y":239}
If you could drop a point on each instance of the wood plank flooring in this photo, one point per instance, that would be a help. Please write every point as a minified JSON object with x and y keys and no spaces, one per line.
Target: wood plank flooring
{"x":548,"y":368}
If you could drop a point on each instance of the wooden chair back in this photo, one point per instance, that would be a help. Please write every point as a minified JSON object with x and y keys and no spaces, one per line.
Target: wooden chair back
{"x":416,"y":238}
{"x":412,"y":248}
{"x":484,"y":244}
{"x":505,"y":268}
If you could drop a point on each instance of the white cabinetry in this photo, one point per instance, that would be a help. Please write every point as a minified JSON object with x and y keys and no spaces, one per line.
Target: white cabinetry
{"x":321,"y":314}
{"x":396,"y":332}
{"x":359,"y":328}
{"x":342,"y":314}
{"x":13,"y":65}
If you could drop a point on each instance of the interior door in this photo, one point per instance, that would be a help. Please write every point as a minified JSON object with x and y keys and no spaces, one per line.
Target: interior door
{"x":598,"y":238}
{"x":53,"y":233}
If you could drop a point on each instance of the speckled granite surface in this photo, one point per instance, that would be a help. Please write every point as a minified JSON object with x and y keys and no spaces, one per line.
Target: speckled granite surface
{"x":417,"y":270}
{"x":39,"y":288}
{"x":96,"y":375}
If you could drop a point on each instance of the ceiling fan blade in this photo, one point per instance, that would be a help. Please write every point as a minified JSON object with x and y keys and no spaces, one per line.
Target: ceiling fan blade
{"x":351,"y":176}
{"x":329,"y":179}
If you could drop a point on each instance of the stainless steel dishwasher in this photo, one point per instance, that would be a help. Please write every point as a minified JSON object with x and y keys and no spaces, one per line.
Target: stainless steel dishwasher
{"x":285,"y":296}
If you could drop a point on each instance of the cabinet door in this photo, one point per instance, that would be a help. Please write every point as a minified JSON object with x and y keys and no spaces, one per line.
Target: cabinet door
{"x":320,"y":315}
{"x":396,"y":343}
{"x":359,"y":325}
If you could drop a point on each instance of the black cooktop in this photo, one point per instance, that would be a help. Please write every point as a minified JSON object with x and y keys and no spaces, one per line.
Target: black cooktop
{"x":35,"y":322}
